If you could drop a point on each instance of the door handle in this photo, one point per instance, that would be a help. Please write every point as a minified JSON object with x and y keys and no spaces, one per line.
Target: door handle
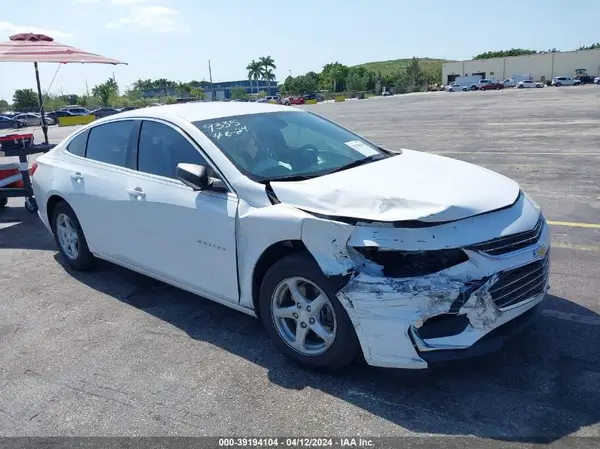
{"x":137,"y":192}
{"x":77,"y":176}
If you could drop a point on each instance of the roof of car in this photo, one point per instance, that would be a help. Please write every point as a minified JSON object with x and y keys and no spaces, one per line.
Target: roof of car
{"x":193,"y":112}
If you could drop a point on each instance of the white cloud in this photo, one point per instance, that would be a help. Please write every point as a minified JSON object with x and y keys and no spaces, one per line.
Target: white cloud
{"x":11,"y":29}
{"x":157,"y":18}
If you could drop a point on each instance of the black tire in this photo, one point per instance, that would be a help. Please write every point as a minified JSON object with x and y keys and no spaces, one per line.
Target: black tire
{"x":558,"y":85}
{"x":3,"y":202}
{"x":85,"y":259}
{"x":345,"y":348}
{"x":520,"y":86}
{"x":473,"y":87}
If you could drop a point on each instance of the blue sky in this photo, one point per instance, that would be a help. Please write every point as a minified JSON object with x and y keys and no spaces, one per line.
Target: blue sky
{"x":175,"y":38}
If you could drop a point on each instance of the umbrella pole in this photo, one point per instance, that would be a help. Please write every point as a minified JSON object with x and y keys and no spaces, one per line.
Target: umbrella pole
{"x":41,"y":98}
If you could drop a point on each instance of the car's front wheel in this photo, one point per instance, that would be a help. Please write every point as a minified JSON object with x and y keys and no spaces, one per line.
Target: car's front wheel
{"x":70,"y":238}
{"x":302,"y":315}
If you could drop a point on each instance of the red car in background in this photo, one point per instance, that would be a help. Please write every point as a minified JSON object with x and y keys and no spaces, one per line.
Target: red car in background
{"x":293,"y":100}
{"x":493,"y":85}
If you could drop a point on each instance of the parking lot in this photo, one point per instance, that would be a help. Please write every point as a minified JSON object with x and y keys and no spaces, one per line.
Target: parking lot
{"x":115,"y":353}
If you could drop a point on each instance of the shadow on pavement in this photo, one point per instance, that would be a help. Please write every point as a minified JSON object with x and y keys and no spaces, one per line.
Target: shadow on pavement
{"x":541,"y":387}
{"x":21,"y":229}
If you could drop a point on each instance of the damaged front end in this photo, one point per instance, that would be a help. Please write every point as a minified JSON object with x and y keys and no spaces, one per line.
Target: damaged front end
{"x":411,"y":307}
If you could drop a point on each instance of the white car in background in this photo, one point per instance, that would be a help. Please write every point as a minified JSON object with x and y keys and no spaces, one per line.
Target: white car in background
{"x":565,"y":81}
{"x":525,"y":84}
{"x":597,"y":80}
{"x":339,"y":246}
{"x":34,"y":119}
{"x":455,"y":87}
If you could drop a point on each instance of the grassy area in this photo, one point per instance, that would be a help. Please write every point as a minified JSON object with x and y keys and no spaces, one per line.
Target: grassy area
{"x":393,"y":66}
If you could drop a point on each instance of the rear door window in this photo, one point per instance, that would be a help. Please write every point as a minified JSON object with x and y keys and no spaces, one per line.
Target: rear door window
{"x":108,"y":143}
{"x":78,"y":144}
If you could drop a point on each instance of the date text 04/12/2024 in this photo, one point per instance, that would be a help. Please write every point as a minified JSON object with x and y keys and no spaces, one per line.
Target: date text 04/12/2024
{"x":297,"y":442}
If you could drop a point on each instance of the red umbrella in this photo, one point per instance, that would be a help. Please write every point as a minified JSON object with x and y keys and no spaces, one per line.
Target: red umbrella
{"x":29,"y":47}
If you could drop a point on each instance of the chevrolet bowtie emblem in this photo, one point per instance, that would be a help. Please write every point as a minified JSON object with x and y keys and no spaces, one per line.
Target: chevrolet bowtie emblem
{"x":540,"y":252}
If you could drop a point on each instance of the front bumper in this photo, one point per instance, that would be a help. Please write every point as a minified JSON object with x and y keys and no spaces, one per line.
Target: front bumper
{"x":491,"y":342}
{"x":457,"y":313}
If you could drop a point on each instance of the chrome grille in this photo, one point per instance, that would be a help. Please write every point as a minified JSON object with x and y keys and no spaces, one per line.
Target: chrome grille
{"x":522,"y":283}
{"x":510,"y":243}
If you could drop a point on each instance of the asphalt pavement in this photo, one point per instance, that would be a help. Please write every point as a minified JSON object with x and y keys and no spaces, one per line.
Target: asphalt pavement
{"x":115,"y":353}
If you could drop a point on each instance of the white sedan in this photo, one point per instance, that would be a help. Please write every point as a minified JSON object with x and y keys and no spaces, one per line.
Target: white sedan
{"x":529,"y":84}
{"x":340,"y":247}
{"x":34,"y":119}
{"x":455,"y":87}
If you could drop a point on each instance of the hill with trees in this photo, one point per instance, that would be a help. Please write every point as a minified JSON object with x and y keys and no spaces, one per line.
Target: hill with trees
{"x":428,"y":65}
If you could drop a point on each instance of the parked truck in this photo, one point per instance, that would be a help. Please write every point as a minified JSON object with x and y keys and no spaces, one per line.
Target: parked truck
{"x":472,"y":82}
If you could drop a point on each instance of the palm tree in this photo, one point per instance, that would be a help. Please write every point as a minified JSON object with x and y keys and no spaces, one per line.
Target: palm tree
{"x":267,"y":65}
{"x":255,"y":72}
{"x":268,"y":76}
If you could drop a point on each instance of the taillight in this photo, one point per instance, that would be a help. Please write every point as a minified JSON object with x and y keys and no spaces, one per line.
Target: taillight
{"x":33,"y":168}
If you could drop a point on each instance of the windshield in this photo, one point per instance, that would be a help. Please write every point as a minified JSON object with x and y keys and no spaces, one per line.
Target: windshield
{"x":290,"y":144}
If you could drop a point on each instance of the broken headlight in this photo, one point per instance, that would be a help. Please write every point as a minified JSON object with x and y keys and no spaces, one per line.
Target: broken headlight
{"x":400,"y":264}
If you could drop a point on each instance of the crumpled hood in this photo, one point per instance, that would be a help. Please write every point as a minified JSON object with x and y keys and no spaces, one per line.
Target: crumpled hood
{"x":410,"y":186}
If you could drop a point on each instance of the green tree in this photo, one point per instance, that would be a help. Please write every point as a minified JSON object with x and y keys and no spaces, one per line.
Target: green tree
{"x":187,"y":90}
{"x":414,"y":74}
{"x":52,"y":103}
{"x":255,"y":72}
{"x":238,"y":93}
{"x":355,"y":82}
{"x":141,"y":84}
{"x":3,"y":105}
{"x":197,"y":92}
{"x":401,"y":83}
{"x":360,"y":79}
{"x":302,"y":84}
{"x":268,"y":65}
{"x":505,"y":53}
{"x":268,"y":76}
{"x":106,"y":91}
{"x":25,"y":99}
{"x":334,"y":74}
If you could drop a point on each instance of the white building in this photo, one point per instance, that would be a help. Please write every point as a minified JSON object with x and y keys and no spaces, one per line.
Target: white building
{"x":542,"y":66}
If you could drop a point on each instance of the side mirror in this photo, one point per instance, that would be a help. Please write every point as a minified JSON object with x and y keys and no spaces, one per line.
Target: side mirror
{"x":195,"y":176}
